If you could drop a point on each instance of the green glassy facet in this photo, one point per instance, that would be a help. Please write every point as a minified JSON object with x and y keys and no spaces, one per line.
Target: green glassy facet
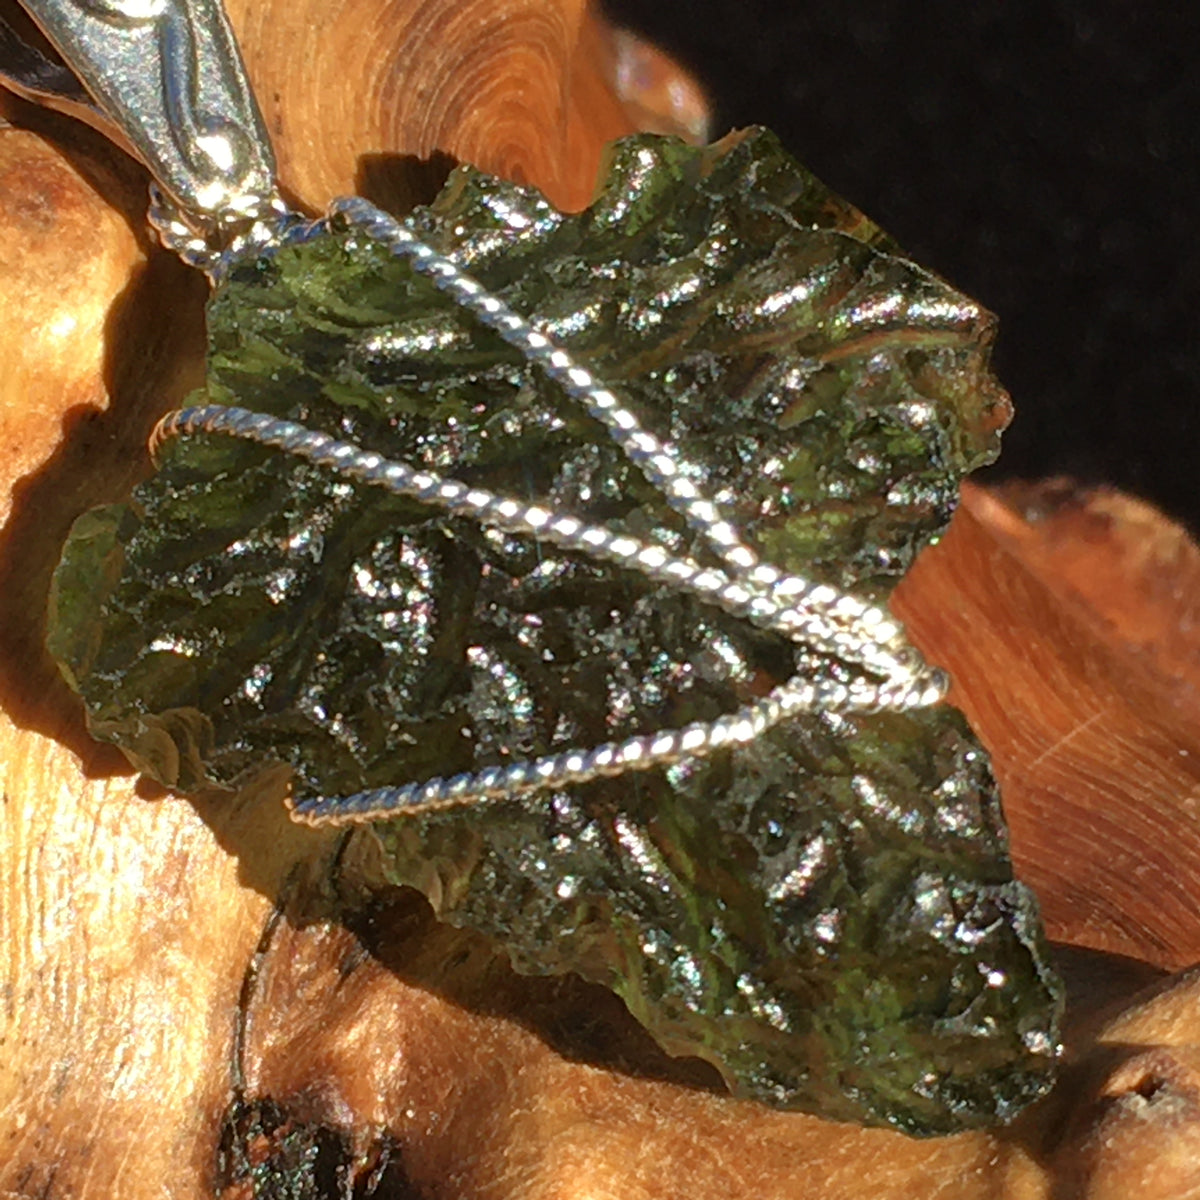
{"x":829,"y":914}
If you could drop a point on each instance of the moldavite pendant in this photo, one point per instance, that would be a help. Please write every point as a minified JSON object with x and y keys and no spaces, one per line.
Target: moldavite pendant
{"x":590,"y":658}
{"x":826,"y":910}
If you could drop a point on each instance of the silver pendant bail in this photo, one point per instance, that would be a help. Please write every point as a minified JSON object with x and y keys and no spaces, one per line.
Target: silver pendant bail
{"x":169,"y":74}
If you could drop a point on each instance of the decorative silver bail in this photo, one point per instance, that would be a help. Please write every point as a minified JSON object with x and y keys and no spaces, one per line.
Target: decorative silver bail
{"x":169,"y":74}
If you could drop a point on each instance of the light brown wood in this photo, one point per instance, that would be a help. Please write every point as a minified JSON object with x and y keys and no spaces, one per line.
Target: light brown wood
{"x":1069,"y":620}
{"x":116,"y":994}
{"x":129,"y":919}
{"x":350,"y":88}
{"x":483,"y":1107}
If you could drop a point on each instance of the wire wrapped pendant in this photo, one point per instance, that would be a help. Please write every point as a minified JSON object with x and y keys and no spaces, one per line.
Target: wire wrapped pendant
{"x":600,"y":644}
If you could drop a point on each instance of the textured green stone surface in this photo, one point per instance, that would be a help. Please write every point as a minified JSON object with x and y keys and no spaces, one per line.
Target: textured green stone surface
{"x":828,"y":915}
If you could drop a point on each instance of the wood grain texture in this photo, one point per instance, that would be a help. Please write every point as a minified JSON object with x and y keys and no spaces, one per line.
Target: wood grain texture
{"x":483,"y":1105}
{"x":115,"y":995}
{"x":156,"y":1042}
{"x":1069,"y":620}
{"x":353,"y":90}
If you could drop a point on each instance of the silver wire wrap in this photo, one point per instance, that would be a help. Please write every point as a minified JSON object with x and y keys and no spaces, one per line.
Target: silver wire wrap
{"x":816,"y":617}
{"x":209,"y":244}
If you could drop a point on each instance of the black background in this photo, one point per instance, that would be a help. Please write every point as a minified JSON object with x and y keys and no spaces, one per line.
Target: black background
{"x":1042,"y":156}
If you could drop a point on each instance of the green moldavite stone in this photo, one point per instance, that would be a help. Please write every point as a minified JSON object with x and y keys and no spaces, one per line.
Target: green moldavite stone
{"x":828,"y":915}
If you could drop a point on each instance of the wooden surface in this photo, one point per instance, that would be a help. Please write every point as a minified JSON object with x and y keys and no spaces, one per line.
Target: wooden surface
{"x":165,"y":1035}
{"x":527,"y":89}
{"x":1071,"y":620}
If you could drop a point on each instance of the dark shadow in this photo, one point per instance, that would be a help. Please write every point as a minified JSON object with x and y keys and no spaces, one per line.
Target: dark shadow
{"x":583,"y":1022}
{"x":267,"y":1152}
{"x":296,"y":1143}
{"x":1099,"y":984}
{"x":396,"y":928}
{"x":398,"y":183}
{"x":153,"y":347}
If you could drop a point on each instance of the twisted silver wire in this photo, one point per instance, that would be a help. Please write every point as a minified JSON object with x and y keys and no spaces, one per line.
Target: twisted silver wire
{"x":772,"y":610}
{"x":665,"y":471}
{"x":815,"y":616}
{"x":210,"y":246}
{"x":639,"y":753}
